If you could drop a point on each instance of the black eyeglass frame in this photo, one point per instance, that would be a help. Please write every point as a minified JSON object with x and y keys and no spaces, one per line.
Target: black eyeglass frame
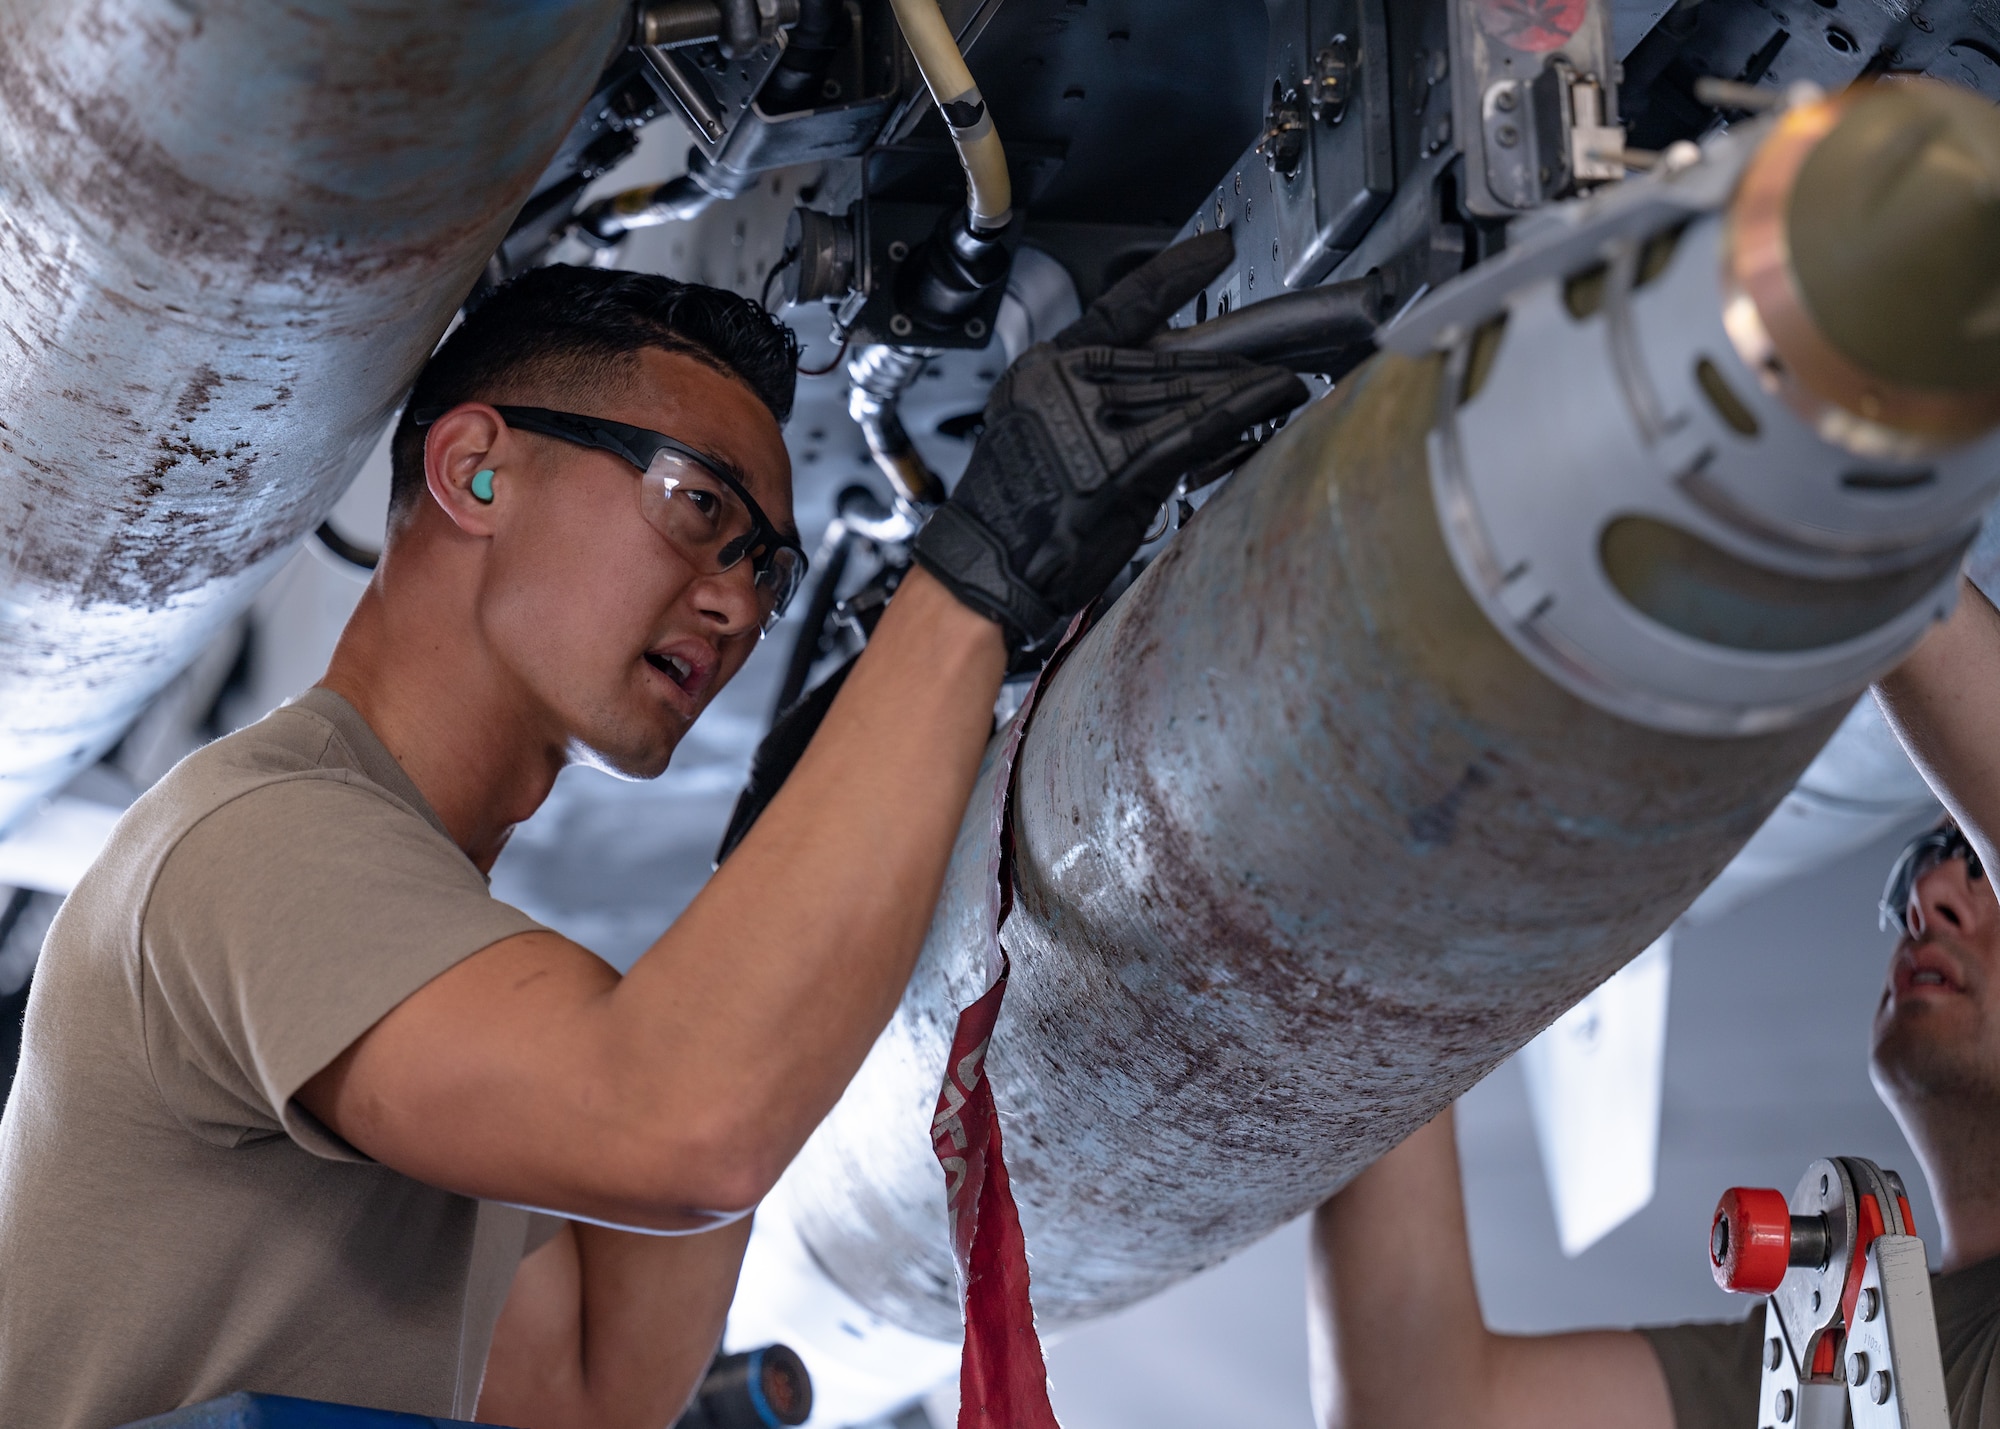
{"x":638,"y":446}
{"x":1946,"y":841}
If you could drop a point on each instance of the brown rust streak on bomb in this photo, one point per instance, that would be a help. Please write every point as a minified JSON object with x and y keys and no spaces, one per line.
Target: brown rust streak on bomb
{"x":315,"y":251}
{"x":222,"y":255}
{"x":104,"y":161}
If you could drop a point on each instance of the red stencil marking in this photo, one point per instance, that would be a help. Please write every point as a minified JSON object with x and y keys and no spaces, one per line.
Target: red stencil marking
{"x":1533,"y":26}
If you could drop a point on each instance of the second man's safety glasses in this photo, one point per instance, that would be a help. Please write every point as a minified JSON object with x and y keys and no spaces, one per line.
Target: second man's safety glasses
{"x":1922,"y":854}
{"x":703,"y":511}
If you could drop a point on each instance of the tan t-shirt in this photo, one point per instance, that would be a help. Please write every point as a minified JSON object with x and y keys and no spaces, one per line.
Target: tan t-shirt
{"x":1713,"y":1374}
{"x":173,"y":1226}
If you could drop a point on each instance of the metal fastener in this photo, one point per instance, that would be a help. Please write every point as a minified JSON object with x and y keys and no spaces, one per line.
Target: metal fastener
{"x":1331,"y":80}
{"x":900,"y":325}
{"x":1283,"y":143}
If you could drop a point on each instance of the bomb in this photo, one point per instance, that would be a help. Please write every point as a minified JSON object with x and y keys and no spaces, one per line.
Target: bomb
{"x":1449,"y":703}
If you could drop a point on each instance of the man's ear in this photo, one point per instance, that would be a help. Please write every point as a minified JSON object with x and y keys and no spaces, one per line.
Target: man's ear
{"x":465,"y":465}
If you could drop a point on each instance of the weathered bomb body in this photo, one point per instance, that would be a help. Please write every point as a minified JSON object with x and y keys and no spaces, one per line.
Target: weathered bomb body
{"x":1380,"y":767}
{"x":1305,"y":849}
{"x":229,"y":235}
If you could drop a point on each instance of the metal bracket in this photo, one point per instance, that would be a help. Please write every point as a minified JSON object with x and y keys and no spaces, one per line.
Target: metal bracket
{"x":1833,"y":1347}
{"x":1546,"y":97}
{"x":1329,"y":143}
{"x":711,"y":90}
{"x":1784,"y":1400}
{"x":1895,"y":1375}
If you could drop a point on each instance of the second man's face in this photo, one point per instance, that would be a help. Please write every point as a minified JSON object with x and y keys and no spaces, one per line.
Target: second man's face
{"x":1937,"y":1027}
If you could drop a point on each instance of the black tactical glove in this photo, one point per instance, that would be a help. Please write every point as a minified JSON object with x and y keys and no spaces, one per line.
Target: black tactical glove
{"x":1085,"y":437}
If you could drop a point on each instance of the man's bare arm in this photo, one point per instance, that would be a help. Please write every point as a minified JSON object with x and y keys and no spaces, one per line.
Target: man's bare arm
{"x":1944,"y":704}
{"x":531,"y":1073}
{"x":608,"y":1329}
{"x":1395,"y":1331}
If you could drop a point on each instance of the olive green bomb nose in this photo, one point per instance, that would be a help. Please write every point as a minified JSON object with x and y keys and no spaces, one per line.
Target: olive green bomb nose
{"x":1894,"y":228}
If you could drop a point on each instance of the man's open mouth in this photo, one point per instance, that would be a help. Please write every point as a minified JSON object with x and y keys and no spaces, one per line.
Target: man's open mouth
{"x":1928,"y":966}
{"x":673,"y":667}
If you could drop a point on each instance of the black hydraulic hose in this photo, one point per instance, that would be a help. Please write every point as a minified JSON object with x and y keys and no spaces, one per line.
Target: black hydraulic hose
{"x":1329,"y":329}
{"x":799,"y":711}
{"x":777,"y":755}
{"x":800,"y":76}
{"x":806,"y":648}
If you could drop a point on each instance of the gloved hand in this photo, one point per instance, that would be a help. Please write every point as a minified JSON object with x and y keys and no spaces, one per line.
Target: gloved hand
{"x":1086,"y":435}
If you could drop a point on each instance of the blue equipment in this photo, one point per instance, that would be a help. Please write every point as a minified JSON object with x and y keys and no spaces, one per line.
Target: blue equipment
{"x":277,"y":1411}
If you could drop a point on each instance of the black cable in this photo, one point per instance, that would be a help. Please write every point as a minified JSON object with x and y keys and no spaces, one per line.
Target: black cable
{"x":777,"y":754}
{"x":806,"y":649}
{"x":10,"y":916}
{"x":845,"y":338}
{"x":14,"y":1005}
{"x":348,"y":551}
{"x":793,"y":729}
{"x":790,"y":256}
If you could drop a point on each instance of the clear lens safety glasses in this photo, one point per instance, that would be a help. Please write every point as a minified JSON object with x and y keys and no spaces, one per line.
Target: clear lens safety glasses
{"x":711,"y":524}
{"x":1922,"y":854}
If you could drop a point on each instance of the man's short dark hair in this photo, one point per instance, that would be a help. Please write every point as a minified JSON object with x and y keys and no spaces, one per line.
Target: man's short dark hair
{"x":566,"y":330}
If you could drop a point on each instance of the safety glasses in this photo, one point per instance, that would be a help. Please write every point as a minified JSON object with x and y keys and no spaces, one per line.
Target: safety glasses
{"x":687,"y":497}
{"x":1922,"y":854}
